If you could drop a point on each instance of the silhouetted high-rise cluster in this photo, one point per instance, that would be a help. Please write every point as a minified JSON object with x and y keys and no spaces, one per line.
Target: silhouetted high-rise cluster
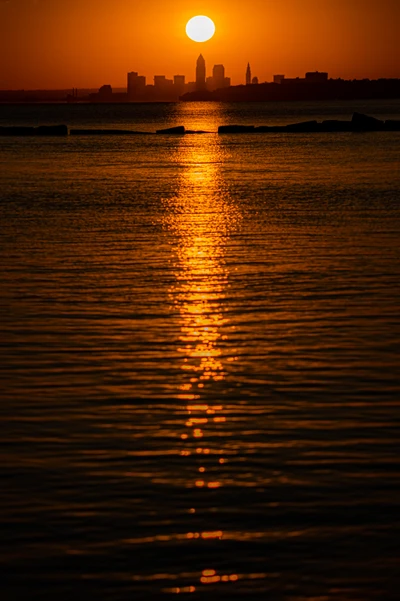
{"x":164,"y":89}
{"x":314,"y":86}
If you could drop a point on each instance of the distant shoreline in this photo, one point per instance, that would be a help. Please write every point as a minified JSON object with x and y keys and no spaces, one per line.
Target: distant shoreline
{"x":222,"y":101}
{"x":289,"y":91}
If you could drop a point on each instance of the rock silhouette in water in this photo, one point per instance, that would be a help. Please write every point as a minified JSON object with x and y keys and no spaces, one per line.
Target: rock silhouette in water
{"x":52,"y":130}
{"x":305,"y":126}
{"x":334,"y":125}
{"x":392,"y":125}
{"x":196,"y":131}
{"x":106,"y":132}
{"x":180,"y":129}
{"x":366,"y":123}
{"x":358,"y":123}
{"x":271,"y":129}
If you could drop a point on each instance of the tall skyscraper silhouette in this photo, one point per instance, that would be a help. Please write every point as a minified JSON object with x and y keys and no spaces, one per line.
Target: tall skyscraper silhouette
{"x":248,"y":75}
{"x":218,"y":76}
{"x":201,"y":73}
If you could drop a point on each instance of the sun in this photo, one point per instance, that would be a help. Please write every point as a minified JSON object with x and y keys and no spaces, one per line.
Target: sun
{"x":200,"y":28}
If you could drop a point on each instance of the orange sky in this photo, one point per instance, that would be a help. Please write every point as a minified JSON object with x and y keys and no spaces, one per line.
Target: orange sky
{"x":87,"y":43}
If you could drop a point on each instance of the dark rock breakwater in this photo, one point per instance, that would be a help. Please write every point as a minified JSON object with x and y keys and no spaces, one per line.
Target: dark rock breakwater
{"x":358,"y":123}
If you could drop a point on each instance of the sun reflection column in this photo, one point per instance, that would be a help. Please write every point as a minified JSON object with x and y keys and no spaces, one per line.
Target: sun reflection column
{"x":202,"y":217}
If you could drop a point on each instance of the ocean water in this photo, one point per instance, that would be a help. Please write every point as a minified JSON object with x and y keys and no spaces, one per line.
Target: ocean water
{"x":199,"y":357}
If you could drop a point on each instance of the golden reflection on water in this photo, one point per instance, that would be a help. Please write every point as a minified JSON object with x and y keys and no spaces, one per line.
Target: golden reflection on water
{"x":202,"y":217}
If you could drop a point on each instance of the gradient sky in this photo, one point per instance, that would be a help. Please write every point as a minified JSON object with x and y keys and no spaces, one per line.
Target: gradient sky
{"x":87,"y":43}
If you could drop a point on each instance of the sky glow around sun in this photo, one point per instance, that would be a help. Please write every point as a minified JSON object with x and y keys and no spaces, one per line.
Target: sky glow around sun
{"x":200,"y":28}
{"x":63,"y":45}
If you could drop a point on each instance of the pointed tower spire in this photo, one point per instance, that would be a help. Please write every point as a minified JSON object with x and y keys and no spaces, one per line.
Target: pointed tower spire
{"x":248,"y":75}
{"x":201,"y":73}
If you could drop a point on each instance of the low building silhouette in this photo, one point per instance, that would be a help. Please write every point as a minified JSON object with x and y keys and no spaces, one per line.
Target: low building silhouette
{"x":316,"y":77}
{"x":136,"y":86}
{"x":105,"y":92}
{"x":179,"y":85}
{"x":106,"y":95}
{"x":310,"y":77}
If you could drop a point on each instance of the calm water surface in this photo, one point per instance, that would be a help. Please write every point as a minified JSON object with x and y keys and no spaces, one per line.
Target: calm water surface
{"x":199,"y":358}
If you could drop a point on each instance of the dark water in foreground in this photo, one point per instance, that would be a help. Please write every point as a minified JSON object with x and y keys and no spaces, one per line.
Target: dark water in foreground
{"x":199,"y":362}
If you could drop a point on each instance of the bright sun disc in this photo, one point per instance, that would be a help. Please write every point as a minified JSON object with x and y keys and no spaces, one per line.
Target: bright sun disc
{"x":200,"y":29}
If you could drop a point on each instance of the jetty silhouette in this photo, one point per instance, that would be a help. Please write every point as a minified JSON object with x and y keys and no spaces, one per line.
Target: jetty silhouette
{"x":358,"y":123}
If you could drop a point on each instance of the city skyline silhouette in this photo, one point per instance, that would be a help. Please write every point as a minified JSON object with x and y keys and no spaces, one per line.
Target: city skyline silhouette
{"x":314,"y":85}
{"x":61,"y":46}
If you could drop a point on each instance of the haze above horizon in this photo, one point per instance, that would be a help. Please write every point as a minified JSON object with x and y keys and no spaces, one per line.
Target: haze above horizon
{"x":86,"y":43}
